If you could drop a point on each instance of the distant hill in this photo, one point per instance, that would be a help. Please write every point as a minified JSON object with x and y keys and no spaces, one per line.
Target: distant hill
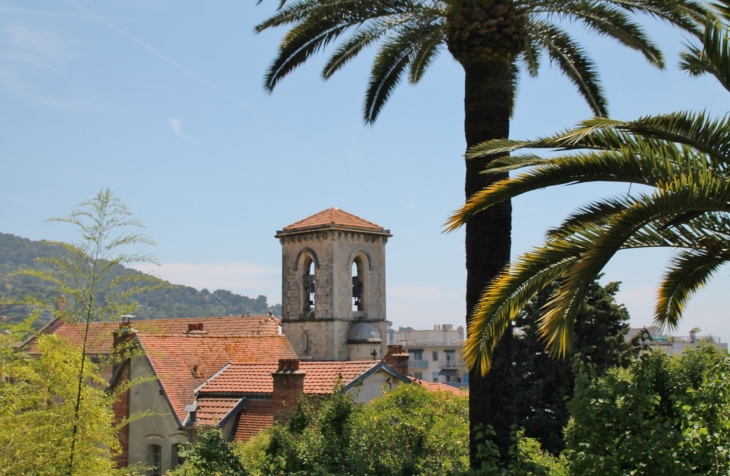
{"x":175,"y":301}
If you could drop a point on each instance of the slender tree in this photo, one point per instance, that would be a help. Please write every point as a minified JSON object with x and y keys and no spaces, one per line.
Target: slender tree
{"x":683,"y":156}
{"x":85,"y":278}
{"x":493,"y":40}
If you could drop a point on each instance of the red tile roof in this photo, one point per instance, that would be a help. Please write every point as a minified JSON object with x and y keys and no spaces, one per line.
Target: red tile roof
{"x":211,"y":411}
{"x":100,"y":333}
{"x":184,"y":361}
{"x":321,"y":377}
{"x":440,"y":387}
{"x":331,"y":217}
{"x":258,"y":415}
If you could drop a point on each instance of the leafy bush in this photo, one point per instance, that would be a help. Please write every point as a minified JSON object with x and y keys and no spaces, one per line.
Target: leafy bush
{"x":663,"y":415}
{"x":211,"y":455}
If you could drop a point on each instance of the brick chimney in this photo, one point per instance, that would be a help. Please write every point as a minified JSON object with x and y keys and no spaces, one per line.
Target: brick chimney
{"x":288,"y":385}
{"x":122,"y":342}
{"x":397,"y":358}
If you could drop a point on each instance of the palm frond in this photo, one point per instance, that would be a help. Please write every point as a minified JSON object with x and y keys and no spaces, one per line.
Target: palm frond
{"x":530,"y":56}
{"x":689,"y":271}
{"x":637,"y":162}
{"x":573,"y":62}
{"x":427,"y":50}
{"x":685,"y":194}
{"x":299,"y":44}
{"x":389,"y":65}
{"x":362,"y":38}
{"x":714,"y":55}
{"x":505,"y":297}
{"x":613,"y":23}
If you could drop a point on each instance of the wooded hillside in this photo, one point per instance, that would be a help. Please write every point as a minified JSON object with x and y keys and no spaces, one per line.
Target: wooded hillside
{"x":172,"y":301}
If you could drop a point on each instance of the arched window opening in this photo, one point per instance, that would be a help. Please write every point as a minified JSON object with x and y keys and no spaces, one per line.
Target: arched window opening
{"x":358,"y":285}
{"x":309,"y":282}
{"x":154,"y":460}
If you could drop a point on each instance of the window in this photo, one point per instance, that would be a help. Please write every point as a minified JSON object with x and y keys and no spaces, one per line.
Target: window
{"x":358,"y":285}
{"x":465,"y":379}
{"x":416,"y":354}
{"x":308,"y":282}
{"x":435,"y":356}
{"x":154,"y":459}
{"x":450,"y":355}
{"x":418,"y":375}
{"x":435,"y":376}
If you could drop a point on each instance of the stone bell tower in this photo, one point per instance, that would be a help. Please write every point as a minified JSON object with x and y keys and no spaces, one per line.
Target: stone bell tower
{"x":333,"y":286}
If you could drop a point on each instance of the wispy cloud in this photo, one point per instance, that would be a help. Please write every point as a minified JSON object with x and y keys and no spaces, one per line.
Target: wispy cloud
{"x":35,"y":47}
{"x":176,"y":125}
{"x":33,"y":62}
{"x":239,"y":276}
{"x":148,"y":47}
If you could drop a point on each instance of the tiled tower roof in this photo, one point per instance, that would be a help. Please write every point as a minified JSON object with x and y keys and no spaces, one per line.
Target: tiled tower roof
{"x":333,"y":217}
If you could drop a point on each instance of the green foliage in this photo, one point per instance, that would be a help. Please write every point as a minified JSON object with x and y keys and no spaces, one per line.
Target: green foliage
{"x":167,"y":301}
{"x":411,"y":431}
{"x":544,"y":383}
{"x":211,"y":455}
{"x":37,"y":412}
{"x":663,"y":415}
{"x":527,"y":457}
{"x":407,"y":431}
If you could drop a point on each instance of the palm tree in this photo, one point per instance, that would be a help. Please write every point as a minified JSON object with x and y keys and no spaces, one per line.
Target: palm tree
{"x":684,"y":156}
{"x":492,"y":40}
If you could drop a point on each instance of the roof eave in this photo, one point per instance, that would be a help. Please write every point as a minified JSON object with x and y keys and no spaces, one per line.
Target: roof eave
{"x":332,"y":227}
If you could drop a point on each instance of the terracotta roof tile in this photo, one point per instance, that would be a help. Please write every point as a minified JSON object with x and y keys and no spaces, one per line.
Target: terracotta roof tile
{"x":100,"y":333}
{"x":184,"y":361}
{"x":333,"y":216}
{"x":212,"y":410}
{"x":321,"y":377}
{"x":257,"y":416}
{"x":439,"y":387}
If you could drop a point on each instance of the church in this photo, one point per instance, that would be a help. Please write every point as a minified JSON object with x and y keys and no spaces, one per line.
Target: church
{"x":243,"y":373}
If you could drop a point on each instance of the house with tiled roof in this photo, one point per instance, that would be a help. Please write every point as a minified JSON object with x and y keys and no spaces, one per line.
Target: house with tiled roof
{"x":239,"y":383}
{"x":170,"y":367}
{"x":262,"y":393}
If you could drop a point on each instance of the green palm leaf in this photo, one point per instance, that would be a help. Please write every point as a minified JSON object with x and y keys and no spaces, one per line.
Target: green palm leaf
{"x":689,"y":271}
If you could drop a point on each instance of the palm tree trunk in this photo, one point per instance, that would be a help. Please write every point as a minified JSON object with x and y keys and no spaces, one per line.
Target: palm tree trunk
{"x":488,"y":104}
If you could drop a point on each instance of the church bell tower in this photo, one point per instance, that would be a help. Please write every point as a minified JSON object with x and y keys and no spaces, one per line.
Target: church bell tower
{"x":333,"y":286}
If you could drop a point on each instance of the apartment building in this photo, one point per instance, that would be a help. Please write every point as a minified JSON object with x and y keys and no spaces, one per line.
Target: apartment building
{"x":435,"y":354}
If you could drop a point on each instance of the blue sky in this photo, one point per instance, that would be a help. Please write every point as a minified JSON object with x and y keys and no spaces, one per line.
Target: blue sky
{"x":163,"y":103}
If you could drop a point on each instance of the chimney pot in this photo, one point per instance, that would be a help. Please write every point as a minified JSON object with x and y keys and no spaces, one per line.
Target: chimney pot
{"x":190,"y":327}
{"x":200,"y":326}
{"x":397,"y":358}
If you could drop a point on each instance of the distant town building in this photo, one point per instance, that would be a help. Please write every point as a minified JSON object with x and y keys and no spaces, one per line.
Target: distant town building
{"x":676,"y":345}
{"x":435,"y":354}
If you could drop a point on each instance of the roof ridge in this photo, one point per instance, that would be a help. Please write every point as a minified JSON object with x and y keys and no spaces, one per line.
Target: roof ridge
{"x":333,"y":216}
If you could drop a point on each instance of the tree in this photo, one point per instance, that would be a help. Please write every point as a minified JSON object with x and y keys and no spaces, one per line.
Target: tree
{"x":663,"y":415}
{"x":545,"y":385}
{"x":683,"y":156}
{"x":88,"y":288}
{"x":211,"y":455}
{"x":38,"y":411}
{"x":492,"y":40}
